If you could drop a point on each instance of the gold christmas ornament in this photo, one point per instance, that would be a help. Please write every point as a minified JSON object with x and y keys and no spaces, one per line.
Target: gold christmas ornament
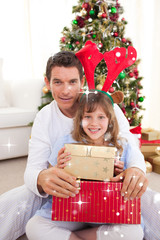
{"x":148,"y":167}
{"x":157,"y":150}
{"x":119,"y":24}
{"x":103,"y":29}
{"x":100,"y":14}
{"x":45,"y":90}
{"x":101,"y":79}
{"x":83,"y":12}
{"x":106,"y":21}
{"x":99,"y":86}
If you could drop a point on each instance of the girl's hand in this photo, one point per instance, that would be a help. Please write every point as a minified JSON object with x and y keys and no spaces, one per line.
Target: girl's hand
{"x":63,"y":158}
{"x":118,"y":167}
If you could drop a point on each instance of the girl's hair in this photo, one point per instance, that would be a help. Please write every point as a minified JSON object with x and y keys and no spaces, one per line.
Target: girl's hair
{"x":90,"y":103}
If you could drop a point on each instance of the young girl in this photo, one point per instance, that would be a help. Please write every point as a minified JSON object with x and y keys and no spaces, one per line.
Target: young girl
{"x":95,"y":124}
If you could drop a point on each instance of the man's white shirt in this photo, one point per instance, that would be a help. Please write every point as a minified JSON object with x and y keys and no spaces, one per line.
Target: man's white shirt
{"x":50,"y":124}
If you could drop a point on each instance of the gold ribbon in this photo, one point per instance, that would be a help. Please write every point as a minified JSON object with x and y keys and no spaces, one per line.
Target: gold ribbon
{"x":157,"y":151}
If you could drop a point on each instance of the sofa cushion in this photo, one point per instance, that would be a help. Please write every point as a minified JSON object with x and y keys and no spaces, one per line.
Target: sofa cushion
{"x":14,"y":142}
{"x":15,"y":117}
{"x":3,"y":101}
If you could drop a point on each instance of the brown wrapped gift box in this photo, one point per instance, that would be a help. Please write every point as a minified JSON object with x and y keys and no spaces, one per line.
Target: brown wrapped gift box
{"x":149,"y":148}
{"x":150,"y":134}
{"x":90,"y":162}
{"x":155,"y":161}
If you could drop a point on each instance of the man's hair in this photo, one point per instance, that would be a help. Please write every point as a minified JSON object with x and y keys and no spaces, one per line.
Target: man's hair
{"x":63,"y":59}
{"x":89,"y":103}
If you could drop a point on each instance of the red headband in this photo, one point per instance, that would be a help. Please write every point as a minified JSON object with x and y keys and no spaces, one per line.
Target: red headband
{"x":116,"y":60}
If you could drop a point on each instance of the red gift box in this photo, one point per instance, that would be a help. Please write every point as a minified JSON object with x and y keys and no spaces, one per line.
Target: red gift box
{"x":137,"y":134}
{"x":97,"y":202}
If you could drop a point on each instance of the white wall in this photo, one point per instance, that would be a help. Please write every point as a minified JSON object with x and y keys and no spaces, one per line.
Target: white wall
{"x":30,"y":34}
{"x":143,"y":28}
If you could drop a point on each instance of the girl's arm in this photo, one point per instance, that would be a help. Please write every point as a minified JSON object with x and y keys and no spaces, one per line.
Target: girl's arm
{"x":63,"y":158}
{"x":118,"y":167}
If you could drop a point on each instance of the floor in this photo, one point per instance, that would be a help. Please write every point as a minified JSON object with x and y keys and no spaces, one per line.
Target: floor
{"x":11,"y":175}
{"x":12,"y":171}
{"x":23,"y":237}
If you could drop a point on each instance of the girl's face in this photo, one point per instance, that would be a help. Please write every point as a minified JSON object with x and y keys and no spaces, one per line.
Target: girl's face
{"x":95,"y":125}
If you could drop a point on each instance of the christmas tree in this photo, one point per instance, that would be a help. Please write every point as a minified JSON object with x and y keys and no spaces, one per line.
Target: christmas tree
{"x":99,"y":21}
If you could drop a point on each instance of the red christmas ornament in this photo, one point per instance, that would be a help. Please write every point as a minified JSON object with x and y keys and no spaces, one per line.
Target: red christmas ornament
{"x":117,"y":5}
{"x":111,"y":90}
{"x":100,"y":45}
{"x":132,"y":104}
{"x":135,"y":72}
{"x":133,"y":112}
{"x":63,"y":39}
{"x":114,"y":17}
{"x":124,"y":40}
{"x":128,"y":42}
{"x":131,"y":74}
{"x":77,"y":42}
{"x":104,"y":15}
{"x":80,"y":21}
{"x":138,"y":91}
{"x":85,"y":5}
{"x":89,"y":36}
{"x":124,"y":110}
{"x":115,"y":34}
{"x":123,"y":19}
{"x":130,"y":120}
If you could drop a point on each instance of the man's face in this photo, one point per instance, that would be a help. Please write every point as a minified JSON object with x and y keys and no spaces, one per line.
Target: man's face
{"x":65,"y":86}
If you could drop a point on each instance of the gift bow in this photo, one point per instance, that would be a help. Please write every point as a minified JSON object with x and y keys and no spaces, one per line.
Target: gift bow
{"x":136,"y":130}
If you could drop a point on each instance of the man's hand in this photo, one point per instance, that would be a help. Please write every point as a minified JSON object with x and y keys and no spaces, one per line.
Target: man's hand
{"x":134,"y":183}
{"x":57,"y":182}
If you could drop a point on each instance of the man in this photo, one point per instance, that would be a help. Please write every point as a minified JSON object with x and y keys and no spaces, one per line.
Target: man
{"x":64,"y":78}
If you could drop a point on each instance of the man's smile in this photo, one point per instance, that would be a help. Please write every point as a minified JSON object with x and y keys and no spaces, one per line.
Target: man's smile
{"x":65,"y":98}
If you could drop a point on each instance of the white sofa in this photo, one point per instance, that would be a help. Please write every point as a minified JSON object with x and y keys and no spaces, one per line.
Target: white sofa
{"x":23,"y":98}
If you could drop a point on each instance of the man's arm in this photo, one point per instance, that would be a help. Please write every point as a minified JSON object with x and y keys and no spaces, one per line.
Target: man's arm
{"x":134,"y":179}
{"x":39,"y":151}
{"x":38,"y":178}
{"x":136,"y":158}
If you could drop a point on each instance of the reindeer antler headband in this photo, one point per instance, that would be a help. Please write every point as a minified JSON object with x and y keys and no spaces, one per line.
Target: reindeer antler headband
{"x":116,"y":60}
